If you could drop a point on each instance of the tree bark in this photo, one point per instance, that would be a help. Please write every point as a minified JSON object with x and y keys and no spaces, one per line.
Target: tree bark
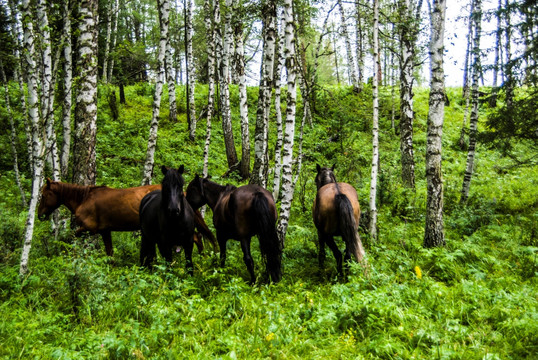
{"x":36,"y":123}
{"x":84,"y":162}
{"x":465,"y":94}
{"x":164,"y":13}
{"x":190,"y":71}
{"x":289,"y":133}
{"x":350,"y":61}
{"x":260,"y":168}
{"x":171,"y":81}
{"x":210,"y":34}
{"x":477,"y":18}
{"x":68,"y":91}
{"x":434,"y":230}
{"x":278,"y":112}
{"x":372,"y":227}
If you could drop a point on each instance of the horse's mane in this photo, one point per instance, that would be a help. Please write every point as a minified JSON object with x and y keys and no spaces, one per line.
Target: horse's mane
{"x":78,"y":192}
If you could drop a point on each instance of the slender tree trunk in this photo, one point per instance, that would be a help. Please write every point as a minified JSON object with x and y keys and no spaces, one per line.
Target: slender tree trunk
{"x":477,"y":18}
{"x":335,"y":45}
{"x":243,"y":105}
{"x":12,"y":136}
{"x":223,"y":46}
{"x":408,"y":32}
{"x":372,"y":227}
{"x":260,"y":168}
{"x":289,"y":133}
{"x":106,"y":56}
{"x":114,"y":37}
{"x":509,"y":66}
{"x":84,"y":162}
{"x":351,"y":62}
{"x":278,"y":112}
{"x":68,"y":91}
{"x":190,"y":72}
{"x":164,"y":13}
{"x":37,"y":147}
{"x":466,"y":78}
{"x":171,"y":80}
{"x":434,"y":230}
{"x":47,"y":96}
{"x":498,"y":44}
{"x":359,"y":48}
{"x":210,"y":33}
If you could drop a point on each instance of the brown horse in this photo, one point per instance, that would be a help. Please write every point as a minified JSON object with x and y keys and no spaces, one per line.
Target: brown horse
{"x":336,"y":212}
{"x":100,"y":209}
{"x":240,"y":213}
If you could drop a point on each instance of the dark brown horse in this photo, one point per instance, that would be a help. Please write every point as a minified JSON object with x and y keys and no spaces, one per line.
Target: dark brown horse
{"x":100,"y":209}
{"x":167,"y":220}
{"x":240,"y":213}
{"x":336,"y":212}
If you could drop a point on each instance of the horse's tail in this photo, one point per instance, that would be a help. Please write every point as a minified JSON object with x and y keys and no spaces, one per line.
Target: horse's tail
{"x":348,"y":227}
{"x":266,"y":229}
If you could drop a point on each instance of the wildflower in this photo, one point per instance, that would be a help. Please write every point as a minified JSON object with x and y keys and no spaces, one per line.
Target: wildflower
{"x":270,"y":336}
{"x":418,"y":272}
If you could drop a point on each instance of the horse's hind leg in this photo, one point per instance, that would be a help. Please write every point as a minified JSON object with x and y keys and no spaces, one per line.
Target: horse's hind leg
{"x":336,"y":252}
{"x":321,"y":254}
{"x":247,"y":258}
{"x":107,"y":239}
{"x":147,"y":251}
{"x":222,"y":247}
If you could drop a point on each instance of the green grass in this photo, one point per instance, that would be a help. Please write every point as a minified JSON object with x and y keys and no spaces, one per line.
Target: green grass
{"x":474,"y":299}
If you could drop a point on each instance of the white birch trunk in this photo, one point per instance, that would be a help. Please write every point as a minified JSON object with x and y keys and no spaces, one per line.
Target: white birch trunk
{"x":278,"y":111}
{"x":68,"y":92}
{"x":359,"y":47}
{"x":47,"y":96}
{"x":289,"y":133}
{"x":466,"y":78}
{"x":210,"y":33}
{"x":243,"y":105}
{"x":372,"y":227}
{"x":223,"y":60}
{"x":164,"y":13}
{"x":434,"y":229}
{"x":171,"y":80}
{"x":37,"y":146}
{"x":107,"y":43}
{"x":259,"y":171}
{"x":114,"y":37}
{"x":190,"y":71}
{"x":350,"y":61}
{"x":477,"y":18}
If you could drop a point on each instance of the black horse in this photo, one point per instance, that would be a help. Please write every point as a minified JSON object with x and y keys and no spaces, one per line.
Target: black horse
{"x":240,"y":213}
{"x":336,"y":212}
{"x":167,"y":220}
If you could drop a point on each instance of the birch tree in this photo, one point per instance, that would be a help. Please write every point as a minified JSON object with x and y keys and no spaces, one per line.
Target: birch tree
{"x":223,"y":46}
{"x":210,"y":36}
{"x":465,"y":93}
{"x":278,"y":113}
{"x":171,"y":80}
{"x":190,"y":69}
{"x":243,"y":106}
{"x":477,"y":18}
{"x":359,"y":46}
{"x":164,"y":13}
{"x":84,"y":162}
{"x":372,"y":227}
{"x":409,"y":30}
{"x":68,"y":90}
{"x":36,"y":123}
{"x":108,"y":37}
{"x":289,"y":132}
{"x":434,"y":229}
{"x":350,"y":61}
{"x":259,"y":170}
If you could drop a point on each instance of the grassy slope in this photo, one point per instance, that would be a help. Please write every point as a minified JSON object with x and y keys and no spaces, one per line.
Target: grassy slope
{"x":476,"y":298}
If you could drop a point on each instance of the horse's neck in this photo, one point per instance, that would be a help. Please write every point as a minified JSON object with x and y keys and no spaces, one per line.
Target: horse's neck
{"x":213,"y":192}
{"x":72,"y":195}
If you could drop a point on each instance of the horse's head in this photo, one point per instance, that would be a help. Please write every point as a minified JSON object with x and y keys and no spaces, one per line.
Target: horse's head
{"x":50,"y":199}
{"x":172,"y":190}
{"x":325,"y":176}
{"x":195,"y":192}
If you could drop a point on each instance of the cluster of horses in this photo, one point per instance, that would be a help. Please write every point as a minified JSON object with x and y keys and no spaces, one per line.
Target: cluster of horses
{"x":168,"y":217}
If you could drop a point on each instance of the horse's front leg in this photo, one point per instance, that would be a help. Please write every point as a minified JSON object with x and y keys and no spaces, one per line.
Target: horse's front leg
{"x":147,"y":251}
{"x":165,"y":248}
{"x":107,"y":239}
{"x":188,"y":246}
{"x":222,"y":247}
{"x":247,"y":258}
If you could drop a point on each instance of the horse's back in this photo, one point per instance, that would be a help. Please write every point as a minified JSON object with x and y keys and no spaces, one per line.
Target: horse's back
{"x":325,"y":212}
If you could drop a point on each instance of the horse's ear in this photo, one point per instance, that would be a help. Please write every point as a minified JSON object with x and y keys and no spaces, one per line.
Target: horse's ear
{"x":164,"y":169}
{"x":318,"y":168}
{"x":48,"y":181}
{"x":181,"y":169}
{"x":334,"y":165}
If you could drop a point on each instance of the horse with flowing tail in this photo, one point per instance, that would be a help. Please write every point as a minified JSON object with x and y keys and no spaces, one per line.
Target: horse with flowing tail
{"x":167,"y":220}
{"x":240,"y":213}
{"x":101,"y":209}
{"x":336,"y":212}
